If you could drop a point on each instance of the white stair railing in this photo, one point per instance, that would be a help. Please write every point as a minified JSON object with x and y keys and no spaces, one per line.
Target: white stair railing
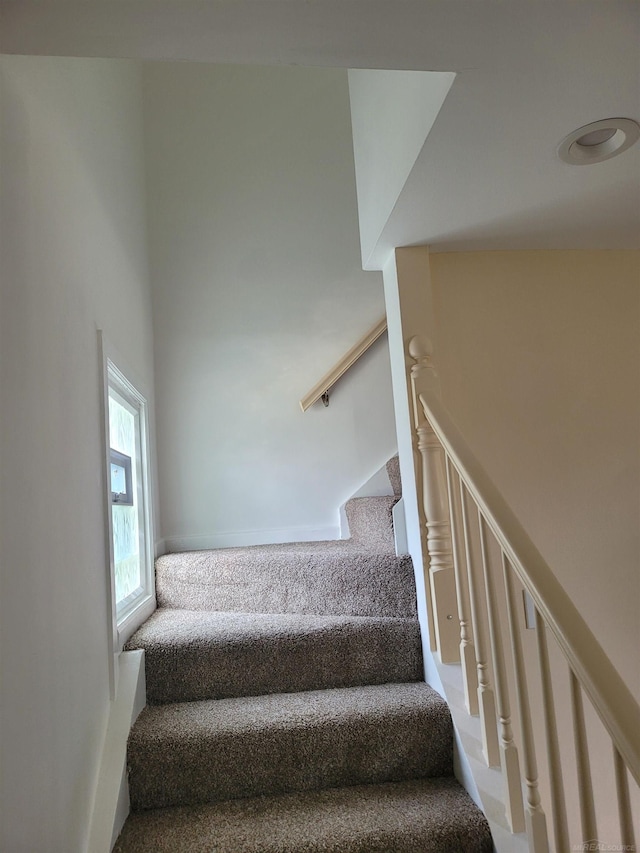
{"x":522,"y":644}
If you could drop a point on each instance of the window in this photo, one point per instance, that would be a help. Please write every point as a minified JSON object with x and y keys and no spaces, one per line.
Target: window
{"x":121,"y":482}
{"x":128,"y":503}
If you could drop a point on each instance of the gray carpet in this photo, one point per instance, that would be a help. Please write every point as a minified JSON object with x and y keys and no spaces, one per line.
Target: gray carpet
{"x":287,"y":712}
{"x":360,"y":576}
{"x":193,"y":655}
{"x":229,"y":748}
{"x":425,"y":816}
{"x":371,"y":523}
{"x":393,"y":471}
{"x":315,"y":578}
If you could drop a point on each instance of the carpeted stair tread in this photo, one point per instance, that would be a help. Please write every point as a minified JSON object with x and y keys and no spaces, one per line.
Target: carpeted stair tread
{"x":417,"y":816}
{"x":311,"y":578}
{"x":198,"y":752}
{"x":290,"y":717}
{"x":192,"y":655}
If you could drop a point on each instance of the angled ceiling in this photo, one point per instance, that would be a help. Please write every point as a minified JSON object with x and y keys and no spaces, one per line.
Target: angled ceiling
{"x":527,"y":73}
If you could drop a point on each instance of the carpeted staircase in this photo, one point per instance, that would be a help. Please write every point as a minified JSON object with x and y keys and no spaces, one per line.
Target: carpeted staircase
{"x":286,"y":708}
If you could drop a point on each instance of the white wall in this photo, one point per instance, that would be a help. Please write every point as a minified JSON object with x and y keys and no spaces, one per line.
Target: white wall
{"x":539,"y":357}
{"x":408,"y":300}
{"x":392,"y":113}
{"x":73,"y":259}
{"x":258,"y":290}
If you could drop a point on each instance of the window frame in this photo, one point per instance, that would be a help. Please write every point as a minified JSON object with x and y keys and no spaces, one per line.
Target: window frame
{"x":140,"y":604}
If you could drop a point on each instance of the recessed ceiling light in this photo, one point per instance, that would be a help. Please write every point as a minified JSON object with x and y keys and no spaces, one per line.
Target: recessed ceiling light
{"x":598,"y":141}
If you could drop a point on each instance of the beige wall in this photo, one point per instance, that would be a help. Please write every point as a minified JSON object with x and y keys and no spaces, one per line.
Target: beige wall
{"x":73,"y":260}
{"x":539,"y":357}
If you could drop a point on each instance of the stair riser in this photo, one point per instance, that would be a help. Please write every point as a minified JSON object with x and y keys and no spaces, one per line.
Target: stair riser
{"x":369,"y":585}
{"x":371,"y":522}
{"x":370,"y":654}
{"x":330,"y":753}
{"x":393,"y":471}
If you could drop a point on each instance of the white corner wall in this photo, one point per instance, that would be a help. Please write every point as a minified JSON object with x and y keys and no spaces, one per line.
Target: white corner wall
{"x":392,"y":113}
{"x":407,"y":289}
{"x":539,"y":358}
{"x":258,"y":290}
{"x":409,"y":303}
{"x":73,"y":258}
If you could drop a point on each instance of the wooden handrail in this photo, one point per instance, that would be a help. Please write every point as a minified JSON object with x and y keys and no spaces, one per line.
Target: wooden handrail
{"x":611,"y":698}
{"x":341,"y":366}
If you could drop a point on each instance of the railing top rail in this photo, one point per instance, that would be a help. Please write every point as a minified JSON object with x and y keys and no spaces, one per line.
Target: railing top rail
{"x":340,"y":367}
{"x":614,"y":703}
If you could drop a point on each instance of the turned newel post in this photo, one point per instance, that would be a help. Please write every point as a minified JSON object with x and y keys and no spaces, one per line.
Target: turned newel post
{"x":442,"y":585}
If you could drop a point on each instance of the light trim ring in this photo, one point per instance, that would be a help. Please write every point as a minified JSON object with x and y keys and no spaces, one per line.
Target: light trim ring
{"x":627,"y":131}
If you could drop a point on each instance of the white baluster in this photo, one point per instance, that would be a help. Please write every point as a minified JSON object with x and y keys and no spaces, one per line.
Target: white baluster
{"x":467,"y":652}
{"x":585,"y":788}
{"x":508,"y":751}
{"x":486,"y":701}
{"x":558,"y":806}
{"x":627,"y":834}
{"x":417,"y":462}
{"x":419,"y":353}
{"x":436,"y":508}
{"x":535,"y":819}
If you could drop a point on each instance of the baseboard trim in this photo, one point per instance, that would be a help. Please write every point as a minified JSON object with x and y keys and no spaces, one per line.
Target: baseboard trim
{"x":273,"y":536}
{"x":111,"y":805}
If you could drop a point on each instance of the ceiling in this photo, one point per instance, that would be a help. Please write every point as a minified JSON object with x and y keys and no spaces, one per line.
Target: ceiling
{"x":528,"y":72}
